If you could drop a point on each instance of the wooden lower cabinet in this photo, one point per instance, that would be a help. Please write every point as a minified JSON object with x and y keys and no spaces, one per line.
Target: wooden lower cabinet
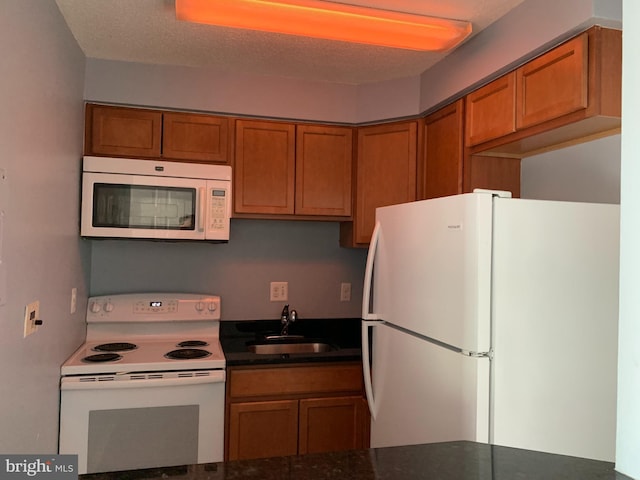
{"x":332,"y":424}
{"x":293,"y":410}
{"x":263,"y":429}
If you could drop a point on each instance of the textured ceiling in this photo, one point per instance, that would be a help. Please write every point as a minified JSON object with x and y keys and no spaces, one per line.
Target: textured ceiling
{"x":147,"y":31}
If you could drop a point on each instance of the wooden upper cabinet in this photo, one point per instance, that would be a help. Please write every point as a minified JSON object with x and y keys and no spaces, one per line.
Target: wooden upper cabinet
{"x":139,"y":133}
{"x":287,"y":169}
{"x":386,"y":175}
{"x":570,"y":92}
{"x":440,"y":168}
{"x":197,"y":137}
{"x":491,"y":110}
{"x":323,"y":170}
{"x":123,"y":131}
{"x":553,"y":84}
{"x":264,"y":169}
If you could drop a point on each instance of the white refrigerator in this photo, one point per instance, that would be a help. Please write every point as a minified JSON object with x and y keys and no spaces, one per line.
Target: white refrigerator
{"x":493,"y":319}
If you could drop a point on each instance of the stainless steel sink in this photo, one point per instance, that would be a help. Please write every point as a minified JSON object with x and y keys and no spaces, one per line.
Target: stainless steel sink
{"x":289,"y":347}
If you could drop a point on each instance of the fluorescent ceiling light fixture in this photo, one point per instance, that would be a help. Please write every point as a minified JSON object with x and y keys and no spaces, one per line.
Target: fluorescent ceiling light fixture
{"x":329,"y":20}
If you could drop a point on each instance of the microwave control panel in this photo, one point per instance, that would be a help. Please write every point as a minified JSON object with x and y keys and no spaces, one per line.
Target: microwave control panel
{"x":218,"y":209}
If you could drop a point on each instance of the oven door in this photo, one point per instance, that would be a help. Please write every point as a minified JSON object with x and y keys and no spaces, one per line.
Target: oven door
{"x":138,"y":206}
{"x":131,"y":421}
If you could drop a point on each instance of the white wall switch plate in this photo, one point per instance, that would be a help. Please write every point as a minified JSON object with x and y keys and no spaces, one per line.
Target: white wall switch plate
{"x":345,"y":292}
{"x":279,"y":291}
{"x":31,"y":314}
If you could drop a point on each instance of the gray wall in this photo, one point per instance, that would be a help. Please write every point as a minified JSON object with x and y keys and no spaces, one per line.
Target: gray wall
{"x":40,"y":145}
{"x":588,"y":172}
{"x":304,"y":254}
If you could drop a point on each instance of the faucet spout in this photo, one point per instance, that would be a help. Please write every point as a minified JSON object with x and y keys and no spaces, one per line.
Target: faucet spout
{"x":287,"y":318}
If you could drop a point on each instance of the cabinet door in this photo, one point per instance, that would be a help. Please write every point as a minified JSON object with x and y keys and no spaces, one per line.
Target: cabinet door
{"x":491,"y":110}
{"x":386,"y":172}
{"x":263,"y":429}
{"x":201,"y":138}
{"x":441,"y":164}
{"x":553,"y":84}
{"x":323,"y":170}
{"x":119,"y":131}
{"x":332,"y":424}
{"x":264,"y":173}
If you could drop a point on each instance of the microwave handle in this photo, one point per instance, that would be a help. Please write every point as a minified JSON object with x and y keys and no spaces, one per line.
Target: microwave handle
{"x":201,"y":201}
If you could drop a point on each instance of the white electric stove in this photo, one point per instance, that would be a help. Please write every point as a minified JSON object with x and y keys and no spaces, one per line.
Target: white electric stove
{"x":146,"y":389}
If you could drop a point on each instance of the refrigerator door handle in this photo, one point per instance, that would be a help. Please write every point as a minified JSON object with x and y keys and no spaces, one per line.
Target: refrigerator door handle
{"x":366,"y":366}
{"x":368,"y":275}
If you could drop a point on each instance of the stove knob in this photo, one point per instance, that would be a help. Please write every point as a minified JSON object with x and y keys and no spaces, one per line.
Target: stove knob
{"x":212,"y":306}
{"x":200,"y":306}
{"x":108,"y":307}
{"x":95,"y":307}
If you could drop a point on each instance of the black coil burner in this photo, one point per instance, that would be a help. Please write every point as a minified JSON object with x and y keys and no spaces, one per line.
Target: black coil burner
{"x":115,"y":347}
{"x":187,"y":354}
{"x":193,"y":343}
{"x":102,"y":357}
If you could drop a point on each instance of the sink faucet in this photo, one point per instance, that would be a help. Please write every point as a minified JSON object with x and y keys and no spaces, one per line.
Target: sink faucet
{"x":287,"y":317}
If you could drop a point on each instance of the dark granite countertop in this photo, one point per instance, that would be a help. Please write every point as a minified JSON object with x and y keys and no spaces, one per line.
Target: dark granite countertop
{"x":438,"y":461}
{"x":342,"y":333}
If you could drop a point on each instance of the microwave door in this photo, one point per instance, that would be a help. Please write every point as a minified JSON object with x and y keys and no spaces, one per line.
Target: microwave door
{"x":134,"y":206}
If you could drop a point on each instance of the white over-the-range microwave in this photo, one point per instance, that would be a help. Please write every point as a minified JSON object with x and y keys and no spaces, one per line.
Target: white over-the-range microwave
{"x":130,"y":198}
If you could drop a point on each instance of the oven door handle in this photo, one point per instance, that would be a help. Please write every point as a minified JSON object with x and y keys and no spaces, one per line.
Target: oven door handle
{"x":112,"y":382}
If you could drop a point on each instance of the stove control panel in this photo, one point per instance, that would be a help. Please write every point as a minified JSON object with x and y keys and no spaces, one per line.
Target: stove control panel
{"x":153,"y":307}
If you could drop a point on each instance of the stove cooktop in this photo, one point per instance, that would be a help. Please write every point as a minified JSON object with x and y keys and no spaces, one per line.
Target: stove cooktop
{"x":150,"y":355}
{"x":136,"y":332}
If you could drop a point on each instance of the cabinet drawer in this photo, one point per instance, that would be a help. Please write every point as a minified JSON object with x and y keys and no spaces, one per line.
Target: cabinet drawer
{"x":266,"y":382}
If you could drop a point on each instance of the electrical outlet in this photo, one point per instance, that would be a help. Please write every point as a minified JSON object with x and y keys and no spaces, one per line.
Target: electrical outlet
{"x":345,"y":292}
{"x":279,"y":291}
{"x":74,"y":300}
{"x":31,"y":315}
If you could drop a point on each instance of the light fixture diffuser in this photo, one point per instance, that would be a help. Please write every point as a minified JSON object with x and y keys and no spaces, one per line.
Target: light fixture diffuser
{"x":329,"y":20}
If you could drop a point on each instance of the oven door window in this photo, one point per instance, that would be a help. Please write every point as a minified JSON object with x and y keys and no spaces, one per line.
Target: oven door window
{"x":144,"y":206}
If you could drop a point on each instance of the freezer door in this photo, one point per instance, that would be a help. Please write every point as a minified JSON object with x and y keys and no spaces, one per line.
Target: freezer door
{"x":432,"y":269}
{"x":555,"y":326}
